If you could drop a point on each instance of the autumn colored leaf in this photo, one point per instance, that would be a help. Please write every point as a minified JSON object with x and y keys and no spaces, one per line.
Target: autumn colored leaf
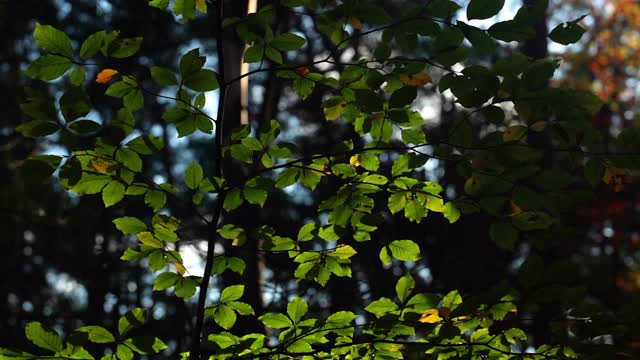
{"x":355,"y":22}
{"x":99,"y":165}
{"x":430,"y":316}
{"x":106,"y":75}
{"x":303,"y":70}
{"x":419,"y":79}
{"x":180,"y":267}
{"x":355,"y":160}
{"x":616,"y":177}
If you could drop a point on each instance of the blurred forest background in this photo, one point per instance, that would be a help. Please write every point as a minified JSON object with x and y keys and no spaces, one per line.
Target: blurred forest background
{"x":60,"y":253}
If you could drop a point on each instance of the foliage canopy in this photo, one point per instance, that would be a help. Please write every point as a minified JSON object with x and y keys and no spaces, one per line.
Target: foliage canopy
{"x":505,"y":176}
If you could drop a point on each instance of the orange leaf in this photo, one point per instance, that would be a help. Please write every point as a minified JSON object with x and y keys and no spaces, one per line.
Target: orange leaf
{"x":99,"y":165}
{"x":106,"y":75}
{"x":419,"y":79}
{"x":303,"y":70}
{"x":355,"y":23}
{"x":430,"y":316}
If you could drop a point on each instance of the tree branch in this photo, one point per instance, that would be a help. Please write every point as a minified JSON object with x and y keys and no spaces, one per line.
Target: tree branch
{"x":213,"y":225}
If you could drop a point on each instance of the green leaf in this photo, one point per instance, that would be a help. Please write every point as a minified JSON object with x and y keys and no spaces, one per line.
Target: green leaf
{"x":231,"y":293}
{"x":92,"y":44}
{"x":511,"y":30}
{"x":149,"y":240}
{"x":254,"y":54}
{"x":132,"y":319}
{"x":451,"y":212}
{"x":97,"y":334}
{"x":165,"y":280}
{"x":185,"y":288}
{"x":85,"y":126}
{"x":287,"y":42}
{"x":452,"y":300}
{"x":483,"y":9}
{"x":568,"y":33}
{"x":274,"y":55}
{"x":255,"y":196}
{"x":113,"y":193}
{"x":413,"y":136}
{"x":275,"y":320}
{"x":124,"y":48}
{"x":442,"y":8}
{"x":368,"y":101}
{"x":38,"y":169}
{"x":405,"y":250}
{"x":404,"y":287}
{"x":160,"y":4}
{"x":155,"y":199}
{"x":481,"y":41}
{"x":123,"y":353}
{"x":163,"y":76}
{"x":75,"y":103}
{"x":191,"y":62}
{"x":236,"y":264}
{"x":36,"y":128}
{"x":224,"y":316}
{"x":303,"y":87}
{"x":91,"y":183}
{"x":78,"y":76}
{"x":202,"y":80}
{"x":145,"y":344}
{"x":130,"y":159}
{"x":342,"y":252}
{"x":402,"y":97}
{"x":43,"y":338}
{"x":53,"y":40}
{"x":233,"y":200}
{"x":146,"y":145}
{"x":381,"y":307}
{"x":504,"y":235}
{"x":129,"y":225}
{"x":48,"y":67}
{"x":70,"y":173}
{"x":296,"y":309}
{"x":240,"y":307}
{"x":223,"y":341}
{"x":185,"y":8}
{"x":193,"y":176}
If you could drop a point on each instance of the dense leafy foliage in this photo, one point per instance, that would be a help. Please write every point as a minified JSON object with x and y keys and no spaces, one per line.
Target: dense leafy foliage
{"x":504,"y":169}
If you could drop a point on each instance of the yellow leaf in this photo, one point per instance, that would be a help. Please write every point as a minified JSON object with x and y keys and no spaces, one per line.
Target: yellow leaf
{"x":419,"y":79}
{"x":430,"y":316}
{"x":201,"y":5}
{"x":181,"y":269}
{"x":106,"y":75}
{"x":355,"y":23}
{"x":355,"y":160}
{"x":343,"y":252}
